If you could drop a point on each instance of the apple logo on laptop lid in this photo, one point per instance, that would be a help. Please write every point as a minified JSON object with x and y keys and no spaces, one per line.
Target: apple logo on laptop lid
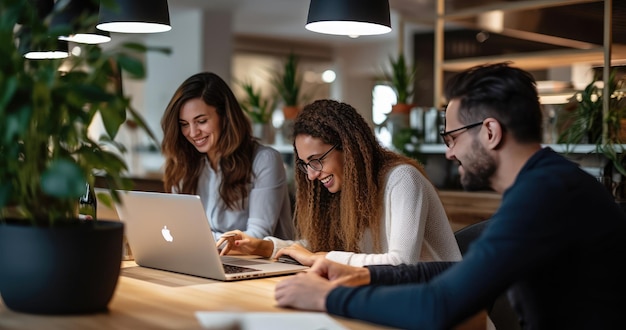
{"x":167,"y":235}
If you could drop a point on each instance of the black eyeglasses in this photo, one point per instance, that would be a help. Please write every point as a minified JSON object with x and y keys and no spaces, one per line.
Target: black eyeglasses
{"x":314,"y":164}
{"x":449,"y":139}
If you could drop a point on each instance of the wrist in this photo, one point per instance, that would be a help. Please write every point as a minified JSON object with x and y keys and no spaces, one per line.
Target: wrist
{"x":265,"y":248}
{"x":363,"y":276}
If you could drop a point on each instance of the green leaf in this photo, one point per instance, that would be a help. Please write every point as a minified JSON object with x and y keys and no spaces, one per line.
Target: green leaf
{"x":105,"y":199}
{"x":16,"y":123}
{"x":258,"y":108}
{"x":63,"y":179}
{"x":288,"y":82}
{"x":113,"y":116}
{"x":131,"y":65}
{"x":401,"y":78}
{"x":7,"y":92}
{"x":5,"y":193}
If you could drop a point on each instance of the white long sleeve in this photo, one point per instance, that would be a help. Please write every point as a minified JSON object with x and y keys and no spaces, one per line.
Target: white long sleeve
{"x":415,"y":225}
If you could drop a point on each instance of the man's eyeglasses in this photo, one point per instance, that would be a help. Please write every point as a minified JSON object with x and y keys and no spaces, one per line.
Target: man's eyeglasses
{"x":448,"y":139}
{"x":314,"y":164}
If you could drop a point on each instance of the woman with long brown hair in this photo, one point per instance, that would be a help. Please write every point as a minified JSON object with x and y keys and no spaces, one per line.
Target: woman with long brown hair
{"x":209,"y":151}
{"x":363,"y":203}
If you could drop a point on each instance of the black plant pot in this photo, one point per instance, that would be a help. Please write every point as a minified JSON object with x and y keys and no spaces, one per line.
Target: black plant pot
{"x":69,"y":269}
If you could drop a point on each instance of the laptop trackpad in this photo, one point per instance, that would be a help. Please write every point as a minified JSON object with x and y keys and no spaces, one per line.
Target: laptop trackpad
{"x":241,"y":262}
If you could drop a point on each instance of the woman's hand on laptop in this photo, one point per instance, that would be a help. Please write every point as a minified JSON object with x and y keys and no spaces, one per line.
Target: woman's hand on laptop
{"x":301,"y":254}
{"x":238,"y":241}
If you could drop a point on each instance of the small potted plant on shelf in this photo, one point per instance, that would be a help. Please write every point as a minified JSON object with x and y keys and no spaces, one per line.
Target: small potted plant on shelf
{"x":402,"y":79}
{"x":259,"y":109}
{"x":288,"y":85}
{"x":52,"y":262}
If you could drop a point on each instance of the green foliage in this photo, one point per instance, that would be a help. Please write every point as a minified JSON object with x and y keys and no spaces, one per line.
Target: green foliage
{"x":407,"y":141}
{"x":401,"y":78}
{"x":46,"y":155}
{"x":586,"y":122}
{"x":288,"y":83}
{"x":258,"y":108}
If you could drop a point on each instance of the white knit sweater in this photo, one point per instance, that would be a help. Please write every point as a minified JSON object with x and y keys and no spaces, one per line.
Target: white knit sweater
{"x":415,"y":225}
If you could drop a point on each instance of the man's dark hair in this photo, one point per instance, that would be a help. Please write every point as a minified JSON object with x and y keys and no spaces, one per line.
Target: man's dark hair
{"x":502,"y":92}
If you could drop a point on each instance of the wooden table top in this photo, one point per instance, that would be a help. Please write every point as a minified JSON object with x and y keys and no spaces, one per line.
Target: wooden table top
{"x":152,"y":299}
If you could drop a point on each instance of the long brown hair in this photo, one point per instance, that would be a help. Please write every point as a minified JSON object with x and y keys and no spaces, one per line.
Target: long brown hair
{"x":337,"y":221}
{"x":183,"y":162}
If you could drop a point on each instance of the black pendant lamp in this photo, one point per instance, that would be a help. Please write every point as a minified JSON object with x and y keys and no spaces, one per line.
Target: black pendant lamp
{"x":349,"y":17}
{"x":39,"y":49}
{"x":134,"y":16}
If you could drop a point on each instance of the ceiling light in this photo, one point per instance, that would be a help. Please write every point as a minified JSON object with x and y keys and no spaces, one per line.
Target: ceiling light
{"x":349,"y":17}
{"x":328,"y":76}
{"x":96,"y":37}
{"x":58,"y":52}
{"x":70,"y":16}
{"x":134,"y":16}
{"x":46,"y":55}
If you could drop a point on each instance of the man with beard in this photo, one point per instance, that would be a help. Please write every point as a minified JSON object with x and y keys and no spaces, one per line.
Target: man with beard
{"x":555,"y":245}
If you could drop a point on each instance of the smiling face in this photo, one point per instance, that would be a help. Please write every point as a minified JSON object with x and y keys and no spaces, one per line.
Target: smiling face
{"x":309,"y":148}
{"x":476,"y":165}
{"x":200,"y":124}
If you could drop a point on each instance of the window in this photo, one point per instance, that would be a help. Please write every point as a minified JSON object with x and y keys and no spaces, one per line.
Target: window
{"x":383,"y":97}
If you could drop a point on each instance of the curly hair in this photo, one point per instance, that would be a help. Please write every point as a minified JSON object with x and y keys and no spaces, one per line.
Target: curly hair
{"x":184,"y":163}
{"x":338,"y":221}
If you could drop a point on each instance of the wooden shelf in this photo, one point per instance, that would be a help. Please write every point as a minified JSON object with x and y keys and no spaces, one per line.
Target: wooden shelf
{"x":510,"y":6}
{"x":542,"y":60}
{"x":595,"y":54}
{"x":465,"y":208}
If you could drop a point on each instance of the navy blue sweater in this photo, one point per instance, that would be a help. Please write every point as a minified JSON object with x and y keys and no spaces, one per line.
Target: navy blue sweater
{"x":557,"y":242}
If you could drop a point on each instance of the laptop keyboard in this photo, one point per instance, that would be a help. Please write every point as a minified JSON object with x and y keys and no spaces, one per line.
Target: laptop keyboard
{"x":236,"y":265}
{"x":230,"y":269}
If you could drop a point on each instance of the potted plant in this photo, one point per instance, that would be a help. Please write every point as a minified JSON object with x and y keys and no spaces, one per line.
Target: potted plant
{"x":586,"y":124}
{"x":288,"y":84}
{"x":51,"y":262}
{"x":402,"y":79}
{"x":259,"y":109}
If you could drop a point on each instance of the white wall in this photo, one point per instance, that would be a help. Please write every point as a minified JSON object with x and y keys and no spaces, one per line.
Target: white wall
{"x":167,"y":72}
{"x":358,"y":68}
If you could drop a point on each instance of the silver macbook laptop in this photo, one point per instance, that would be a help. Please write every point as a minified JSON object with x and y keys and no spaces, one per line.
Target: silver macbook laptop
{"x":171,"y":232}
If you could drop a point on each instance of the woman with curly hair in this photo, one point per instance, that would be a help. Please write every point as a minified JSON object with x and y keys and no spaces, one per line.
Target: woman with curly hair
{"x":209,"y":151}
{"x":363,"y":203}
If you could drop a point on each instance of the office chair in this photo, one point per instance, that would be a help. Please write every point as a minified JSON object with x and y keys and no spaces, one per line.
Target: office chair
{"x":501,"y":313}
